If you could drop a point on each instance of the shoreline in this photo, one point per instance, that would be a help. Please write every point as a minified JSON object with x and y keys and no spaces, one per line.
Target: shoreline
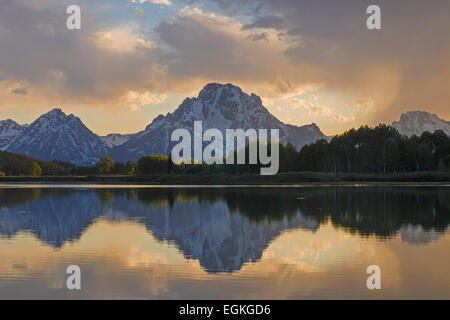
{"x":288,"y":179}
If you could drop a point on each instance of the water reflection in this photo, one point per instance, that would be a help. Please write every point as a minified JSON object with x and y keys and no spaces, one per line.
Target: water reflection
{"x":225,"y":228}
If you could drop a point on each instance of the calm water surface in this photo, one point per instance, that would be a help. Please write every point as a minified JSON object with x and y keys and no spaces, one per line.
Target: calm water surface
{"x":224,"y":243}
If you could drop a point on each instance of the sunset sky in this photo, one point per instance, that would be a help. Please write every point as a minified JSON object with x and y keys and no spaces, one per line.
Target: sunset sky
{"x":310,"y":61}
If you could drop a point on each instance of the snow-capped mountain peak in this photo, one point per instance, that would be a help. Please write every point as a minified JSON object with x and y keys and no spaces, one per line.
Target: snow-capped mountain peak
{"x":417,"y":122}
{"x":220,"y":106}
{"x":57,"y":136}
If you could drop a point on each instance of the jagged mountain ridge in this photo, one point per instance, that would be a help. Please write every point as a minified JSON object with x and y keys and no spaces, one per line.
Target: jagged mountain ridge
{"x":217,"y":106}
{"x":57,"y":136}
{"x":417,"y":122}
{"x":9,"y":130}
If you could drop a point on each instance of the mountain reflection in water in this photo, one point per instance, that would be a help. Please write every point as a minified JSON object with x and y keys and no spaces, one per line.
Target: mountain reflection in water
{"x":224,"y":228}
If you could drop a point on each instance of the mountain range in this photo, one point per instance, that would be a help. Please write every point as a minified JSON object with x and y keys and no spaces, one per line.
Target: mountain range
{"x":58,"y":136}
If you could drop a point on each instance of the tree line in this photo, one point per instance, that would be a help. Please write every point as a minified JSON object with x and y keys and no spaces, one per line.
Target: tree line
{"x":377,"y":150}
{"x":381,"y":149}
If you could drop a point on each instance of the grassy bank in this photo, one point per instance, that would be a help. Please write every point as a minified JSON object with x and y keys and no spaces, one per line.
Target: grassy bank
{"x":282,"y":178}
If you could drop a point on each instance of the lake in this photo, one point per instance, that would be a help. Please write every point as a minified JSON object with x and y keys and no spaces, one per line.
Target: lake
{"x":300,"y":242}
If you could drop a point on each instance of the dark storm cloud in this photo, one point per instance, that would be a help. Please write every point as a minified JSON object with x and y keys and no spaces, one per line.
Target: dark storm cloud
{"x":259,"y":36}
{"x":407,"y":63}
{"x":266,"y":22}
{"x":20,"y":91}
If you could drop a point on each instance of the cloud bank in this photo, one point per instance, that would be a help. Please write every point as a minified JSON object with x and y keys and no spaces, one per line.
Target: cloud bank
{"x":276,"y":49}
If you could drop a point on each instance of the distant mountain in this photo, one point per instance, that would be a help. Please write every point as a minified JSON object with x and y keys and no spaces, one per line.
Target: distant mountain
{"x":417,"y":122}
{"x":9,"y":130}
{"x":115,"y":139}
{"x":57,"y":136}
{"x":217,"y":106}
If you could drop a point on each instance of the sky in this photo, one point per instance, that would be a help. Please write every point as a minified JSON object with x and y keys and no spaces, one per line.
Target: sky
{"x":309,"y":61}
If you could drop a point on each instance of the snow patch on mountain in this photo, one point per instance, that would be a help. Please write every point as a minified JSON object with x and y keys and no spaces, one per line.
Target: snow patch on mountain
{"x":115,"y":139}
